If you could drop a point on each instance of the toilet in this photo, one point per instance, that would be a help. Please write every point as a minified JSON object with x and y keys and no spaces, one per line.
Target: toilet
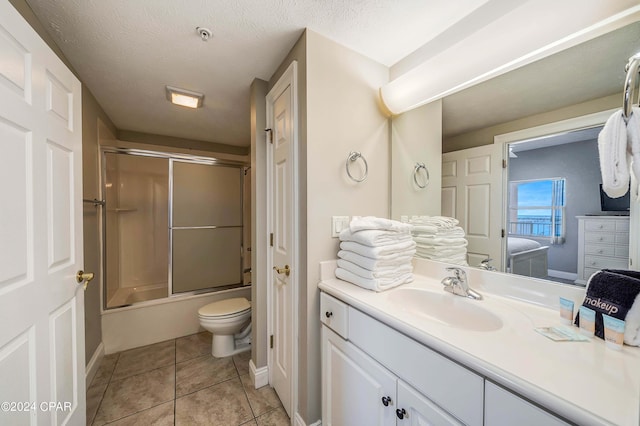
{"x":230,"y":323}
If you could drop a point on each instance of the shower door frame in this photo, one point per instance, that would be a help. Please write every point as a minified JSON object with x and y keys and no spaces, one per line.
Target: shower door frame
{"x":196,"y":159}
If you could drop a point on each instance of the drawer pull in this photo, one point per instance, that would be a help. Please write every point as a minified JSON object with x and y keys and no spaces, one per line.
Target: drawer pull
{"x":601,"y":239}
{"x":401,"y":412}
{"x":600,"y":251}
{"x":328,"y":314}
{"x":386,"y":400}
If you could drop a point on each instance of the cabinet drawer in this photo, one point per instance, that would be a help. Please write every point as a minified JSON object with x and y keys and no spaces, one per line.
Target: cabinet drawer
{"x":428,"y":372}
{"x":600,"y":225}
{"x":333,"y":313}
{"x":599,"y":237}
{"x":622,"y":225}
{"x":622,"y":251}
{"x":598,"y":262}
{"x":505,"y":408}
{"x":602,"y":250}
{"x":622,"y":239}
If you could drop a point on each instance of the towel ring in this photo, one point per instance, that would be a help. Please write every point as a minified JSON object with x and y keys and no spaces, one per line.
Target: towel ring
{"x":630,"y":84}
{"x":416,"y":172}
{"x":352,"y":157}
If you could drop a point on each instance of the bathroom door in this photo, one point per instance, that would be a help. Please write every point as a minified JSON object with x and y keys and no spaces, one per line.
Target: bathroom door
{"x":472,"y":193}
{"x":42,"y":361}
{"x":283,"y":224}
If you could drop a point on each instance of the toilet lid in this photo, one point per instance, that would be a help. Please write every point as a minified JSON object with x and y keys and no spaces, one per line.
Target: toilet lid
{"x":225,"y":307}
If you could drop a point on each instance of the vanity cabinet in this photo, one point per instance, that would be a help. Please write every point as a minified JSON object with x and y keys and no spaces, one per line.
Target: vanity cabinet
{"x":380,"y":377}
{"x":603,"y":242}
{"x":374,"y":375}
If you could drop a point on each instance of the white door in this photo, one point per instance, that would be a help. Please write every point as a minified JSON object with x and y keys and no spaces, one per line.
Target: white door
{"x":356,"y":390}
{"x":41,"y":305}
{"x":283,"y":220}
{"x":418,"y":410}
{"x":472,"y":193}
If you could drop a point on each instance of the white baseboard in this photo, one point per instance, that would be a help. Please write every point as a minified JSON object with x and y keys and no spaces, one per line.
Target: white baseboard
{"x":93,"y":364}
{"x":259,"y":376}
{"x":562,"y":274}
{"x":297,"y":421}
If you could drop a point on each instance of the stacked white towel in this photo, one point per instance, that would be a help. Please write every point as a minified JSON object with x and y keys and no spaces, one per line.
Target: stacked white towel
{"x":439,"y":238}
{"x":376,"y":253}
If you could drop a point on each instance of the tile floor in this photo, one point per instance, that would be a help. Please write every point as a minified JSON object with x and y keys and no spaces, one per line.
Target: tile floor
{"x":178,"y":382}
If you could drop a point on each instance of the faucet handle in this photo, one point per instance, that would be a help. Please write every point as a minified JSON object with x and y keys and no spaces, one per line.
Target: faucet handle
{"x":458,"y":272}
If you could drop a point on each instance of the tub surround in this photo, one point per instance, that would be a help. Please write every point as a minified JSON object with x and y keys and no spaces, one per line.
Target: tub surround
{"x":158,"y":320}
{"x":583,"y":382}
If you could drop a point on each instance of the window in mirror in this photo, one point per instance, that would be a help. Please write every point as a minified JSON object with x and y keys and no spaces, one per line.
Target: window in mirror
{"x":537,"y":209}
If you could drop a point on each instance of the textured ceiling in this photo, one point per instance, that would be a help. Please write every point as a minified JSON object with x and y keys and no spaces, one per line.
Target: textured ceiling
{"x":126,"y":51}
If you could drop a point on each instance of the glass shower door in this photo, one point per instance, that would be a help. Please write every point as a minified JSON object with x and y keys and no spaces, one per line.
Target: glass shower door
{"x":206,"y":226}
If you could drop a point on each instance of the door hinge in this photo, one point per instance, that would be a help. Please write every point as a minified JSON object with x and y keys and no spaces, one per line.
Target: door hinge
{"x":271,"y":342}
{"x":504,"y":164}
{"x":271,"y":239}
{"x":502,"y":233}
{"x":269,"y":135}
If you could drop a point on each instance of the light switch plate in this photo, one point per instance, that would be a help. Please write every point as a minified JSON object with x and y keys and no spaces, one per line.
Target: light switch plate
{"x":338,"y":223}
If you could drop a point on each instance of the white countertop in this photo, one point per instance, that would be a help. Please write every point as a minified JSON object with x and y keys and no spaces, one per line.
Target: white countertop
{"x":585,"y":382}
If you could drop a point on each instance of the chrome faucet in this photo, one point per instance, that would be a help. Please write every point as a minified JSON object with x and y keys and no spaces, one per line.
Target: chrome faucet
{"x":486,"y":265}
{"x":458,"y":284}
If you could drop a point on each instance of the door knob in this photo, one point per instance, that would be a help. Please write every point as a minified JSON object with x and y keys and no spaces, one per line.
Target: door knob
{"x":84,"y":276}
{"x":286,"y":271}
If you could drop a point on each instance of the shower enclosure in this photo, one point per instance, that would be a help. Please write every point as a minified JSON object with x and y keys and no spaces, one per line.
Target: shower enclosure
{"x":173,"y":225}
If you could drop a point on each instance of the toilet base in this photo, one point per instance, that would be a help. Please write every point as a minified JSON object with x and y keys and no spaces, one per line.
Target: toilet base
{"x":224,"y":346}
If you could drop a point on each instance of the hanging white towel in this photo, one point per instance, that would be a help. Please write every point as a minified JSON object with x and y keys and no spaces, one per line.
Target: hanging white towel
{"x":614,"y":161}
{"x":374,"y":237}
{"x":633,"y":141}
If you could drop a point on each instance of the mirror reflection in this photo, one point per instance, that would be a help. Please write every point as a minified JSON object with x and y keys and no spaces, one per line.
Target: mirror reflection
{"x":547,"y":202}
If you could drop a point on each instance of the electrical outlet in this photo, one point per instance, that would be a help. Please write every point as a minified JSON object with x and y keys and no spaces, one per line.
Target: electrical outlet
{"x":338,"y":223}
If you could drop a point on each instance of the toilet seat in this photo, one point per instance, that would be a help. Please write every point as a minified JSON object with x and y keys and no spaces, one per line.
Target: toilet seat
{"x":228,"y":308}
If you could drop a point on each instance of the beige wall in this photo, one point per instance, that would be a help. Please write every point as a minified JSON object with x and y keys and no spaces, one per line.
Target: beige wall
{"x":485,"y":136}
{"x":343,"y":115}
{"x":259,"y":89}
{"x":416,"y":137}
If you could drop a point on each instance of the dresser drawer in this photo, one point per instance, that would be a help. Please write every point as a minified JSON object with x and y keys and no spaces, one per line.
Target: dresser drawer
{"x":600,"y":237}
{"x":602,"y":250}
{"x":622,"y":239}
{"x":600,"y":225}
{"x":597,"y":262}
{"x":622,"y":251}
{"x":334,"y":314}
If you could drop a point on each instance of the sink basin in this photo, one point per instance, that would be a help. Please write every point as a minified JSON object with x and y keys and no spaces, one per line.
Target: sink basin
{"x":445,"y":308}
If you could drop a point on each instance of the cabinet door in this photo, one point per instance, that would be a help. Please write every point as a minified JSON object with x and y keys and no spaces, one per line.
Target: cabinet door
{"x":354,"y":385}
{"x":502,"y":408}
{"x":418,"y":410}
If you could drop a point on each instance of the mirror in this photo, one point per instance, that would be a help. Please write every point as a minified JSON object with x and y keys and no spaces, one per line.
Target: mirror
{"x":585,"y":80}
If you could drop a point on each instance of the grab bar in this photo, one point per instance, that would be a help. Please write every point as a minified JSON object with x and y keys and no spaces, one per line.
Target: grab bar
{"x":632,"y":68}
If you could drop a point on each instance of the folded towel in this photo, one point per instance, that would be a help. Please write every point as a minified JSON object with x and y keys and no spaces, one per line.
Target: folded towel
{"x":398,"y":249}
{"x":440,"y":241}
{"x":633,"y":142}
{"x":612,"y":147}
{"x":381,"y":263}
{"x":439,"y":221}
{"x":617,"y":294}
{"x":359,"y":223}
{"x":449,"y":251}
{"x":388,"y":273}
{"x":377,"y":284}
{"x":374,"y":237}
{"x":426,"y":230}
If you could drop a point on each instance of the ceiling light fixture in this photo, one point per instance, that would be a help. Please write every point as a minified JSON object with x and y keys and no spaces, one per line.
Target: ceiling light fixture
{"x":184,"y":97}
